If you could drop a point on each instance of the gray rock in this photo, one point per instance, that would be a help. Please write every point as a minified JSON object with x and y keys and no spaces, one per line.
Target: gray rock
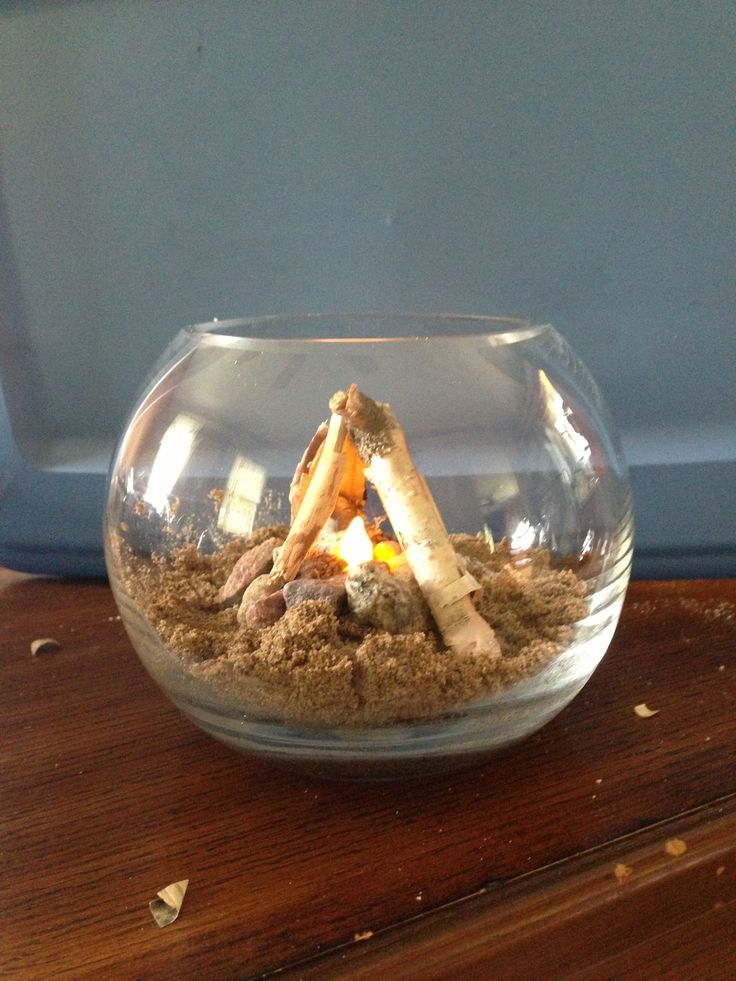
{"x":249,"y":566}
{"x":378,"y":598}
{"x":330,"y":591}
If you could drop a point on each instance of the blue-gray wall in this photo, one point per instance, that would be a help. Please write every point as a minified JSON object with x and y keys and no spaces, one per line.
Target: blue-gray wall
{"x":163,"y":163}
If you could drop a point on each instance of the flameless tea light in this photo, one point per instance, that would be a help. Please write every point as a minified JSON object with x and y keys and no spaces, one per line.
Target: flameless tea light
{"x":431,"y":560}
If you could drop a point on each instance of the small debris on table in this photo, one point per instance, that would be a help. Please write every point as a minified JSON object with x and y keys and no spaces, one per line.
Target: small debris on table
{"x":165,"y":908}
{"x":644,"y":712}
{"x":622,"y":872}
{"x":45,"y":645}
{"x":675,"y":847}
{"x":364,"y":935}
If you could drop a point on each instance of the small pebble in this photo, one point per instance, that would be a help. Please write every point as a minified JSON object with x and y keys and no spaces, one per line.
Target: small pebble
{"x":260,"y":587}
{"x":252,"y":564}
{"x":266,"y":610}
{"x":378,"y":598}
{"x":330,"y":591}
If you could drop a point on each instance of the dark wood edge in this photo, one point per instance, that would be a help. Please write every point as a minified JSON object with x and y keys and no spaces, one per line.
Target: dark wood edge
{"x":567,"y":917}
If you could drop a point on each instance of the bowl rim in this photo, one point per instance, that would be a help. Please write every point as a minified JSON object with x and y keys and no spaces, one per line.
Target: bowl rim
{"x":269,"y":329}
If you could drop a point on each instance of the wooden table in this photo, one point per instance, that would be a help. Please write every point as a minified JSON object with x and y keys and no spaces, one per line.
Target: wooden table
{"x":551,"y":861}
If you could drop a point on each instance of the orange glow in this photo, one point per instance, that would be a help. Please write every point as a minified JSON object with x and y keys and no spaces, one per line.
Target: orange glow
{"x":356,"y":547}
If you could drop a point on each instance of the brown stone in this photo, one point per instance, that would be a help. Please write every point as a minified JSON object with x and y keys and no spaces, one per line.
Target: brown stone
{"x":264,"y":585}
{"x":267,"y":610}
{"x":330,"y":591}
{"x":253,"y":563}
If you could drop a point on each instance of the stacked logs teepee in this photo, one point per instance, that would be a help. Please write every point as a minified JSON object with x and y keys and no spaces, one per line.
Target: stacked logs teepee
{"x":362,"y":439}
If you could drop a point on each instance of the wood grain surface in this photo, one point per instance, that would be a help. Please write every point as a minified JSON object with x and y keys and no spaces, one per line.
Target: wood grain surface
{"x":107,"y":794}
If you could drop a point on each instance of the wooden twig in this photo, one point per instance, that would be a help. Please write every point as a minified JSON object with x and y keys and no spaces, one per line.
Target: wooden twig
{"x":352,"y":494}
{"x":317,"y":482}
{"x":318,"y":503}
{"x":351,"y":497}
{"x":300,"y":480}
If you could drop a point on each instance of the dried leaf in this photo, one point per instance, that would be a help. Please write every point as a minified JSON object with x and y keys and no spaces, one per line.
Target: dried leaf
{"x":622,"y":872}
{"x":44,"y":646}
{"x":165,"y":908}
{"x":675,"y":846}
{"x":644,"y":712}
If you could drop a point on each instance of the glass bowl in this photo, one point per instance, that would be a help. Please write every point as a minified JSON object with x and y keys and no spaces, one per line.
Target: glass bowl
{"x":369,"y":545}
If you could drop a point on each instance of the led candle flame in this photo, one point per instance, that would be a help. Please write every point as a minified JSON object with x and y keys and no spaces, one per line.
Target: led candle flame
{"x":356,"y":547}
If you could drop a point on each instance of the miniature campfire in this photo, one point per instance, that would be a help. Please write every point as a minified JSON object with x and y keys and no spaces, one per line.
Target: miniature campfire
{"x":363,"y":439}
{"x":335,"y":621}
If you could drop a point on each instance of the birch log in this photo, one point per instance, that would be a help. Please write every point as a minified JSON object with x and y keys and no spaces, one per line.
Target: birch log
{"x":416,"y":521}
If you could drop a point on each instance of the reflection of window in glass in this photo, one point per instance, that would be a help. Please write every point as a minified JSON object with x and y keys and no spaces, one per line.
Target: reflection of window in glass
{"x":523,"y":537}
{"x":172,"y":456}
{"x":243,"y":492}
{"x":572,"y":451}
{"x":558,"y":415}
{"x":496,"y":493}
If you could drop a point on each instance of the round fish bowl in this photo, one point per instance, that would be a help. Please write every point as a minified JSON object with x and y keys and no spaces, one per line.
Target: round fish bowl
{"x":369,"y":545}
